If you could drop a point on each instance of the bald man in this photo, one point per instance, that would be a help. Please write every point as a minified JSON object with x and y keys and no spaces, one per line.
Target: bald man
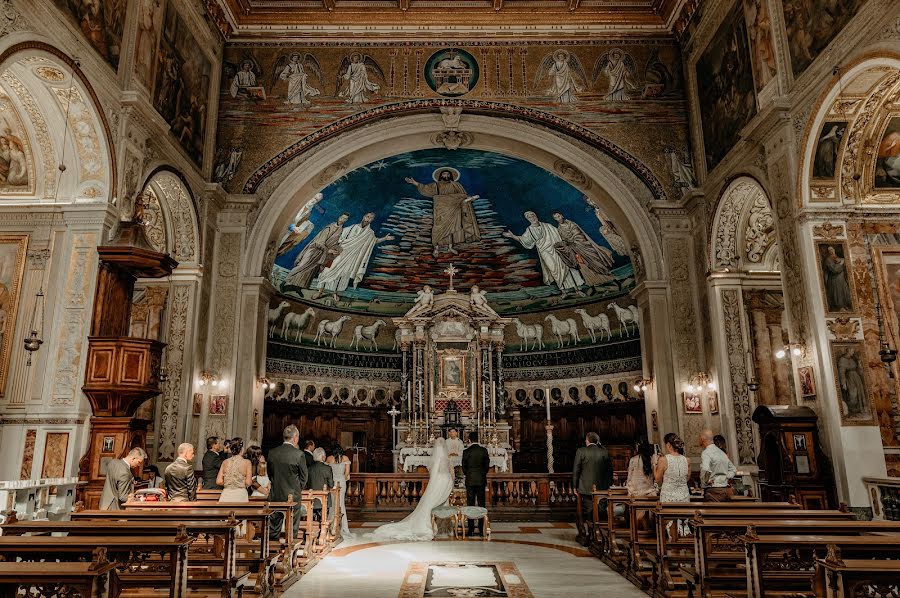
{"x":716,"y":469}
{"x":181,"y":483}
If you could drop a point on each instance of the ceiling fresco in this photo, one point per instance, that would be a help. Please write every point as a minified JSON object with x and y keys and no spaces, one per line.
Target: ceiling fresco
{"x":382,"y":232}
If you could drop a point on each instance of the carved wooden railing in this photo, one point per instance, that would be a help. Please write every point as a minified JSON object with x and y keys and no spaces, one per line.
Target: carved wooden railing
{"x":380,"y":496}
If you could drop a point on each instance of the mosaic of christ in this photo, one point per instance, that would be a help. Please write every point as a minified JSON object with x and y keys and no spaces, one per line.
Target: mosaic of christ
{"x":377,"y":235}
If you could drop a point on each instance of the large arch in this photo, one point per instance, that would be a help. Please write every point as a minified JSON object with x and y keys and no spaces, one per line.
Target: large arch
{"x":601,"y":177}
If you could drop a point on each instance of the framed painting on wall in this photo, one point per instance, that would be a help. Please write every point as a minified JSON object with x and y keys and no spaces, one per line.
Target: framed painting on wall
{"x":452,"y":374}
{"x":197,"y":405}
{"x":12,"y":266}
{"x":849,"y":362}
{"x":218,"y":404}
{"x":837,"y":280}
{"x":712,"y":401}
{"x":692,"y":403}
{"x":807,"y":382}
{"x":56,"y":448}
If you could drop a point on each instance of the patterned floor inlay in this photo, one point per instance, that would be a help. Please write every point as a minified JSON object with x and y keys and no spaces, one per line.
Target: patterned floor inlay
{"x":464,"y":579}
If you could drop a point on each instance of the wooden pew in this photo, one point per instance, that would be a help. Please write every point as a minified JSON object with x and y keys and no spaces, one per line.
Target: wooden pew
{"x":136,"y":561}
{"x":213,"y":563}
{"x":263,"y":563}
{"x":720,"y":554}
{"x":93,"y":579}
{"x":674,"y":545}
{"x":837,"y":577}
{"x":782,"y":566}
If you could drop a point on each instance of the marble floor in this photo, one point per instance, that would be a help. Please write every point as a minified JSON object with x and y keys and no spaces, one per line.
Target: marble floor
{"x":546,"y":554}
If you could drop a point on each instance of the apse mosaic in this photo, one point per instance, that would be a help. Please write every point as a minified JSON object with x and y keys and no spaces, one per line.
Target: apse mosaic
{"x":360,"y":252}
{"x":382,"y":232}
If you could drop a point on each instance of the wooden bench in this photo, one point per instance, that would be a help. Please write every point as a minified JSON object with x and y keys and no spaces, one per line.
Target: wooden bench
{"x":781,"y":566}
{"x":720,"y":554}
{"x":837,"y":577}
{"x":212,"y":557}
{"x":258,"y":560}
{"x":93,"y":579}
{"x":674,"y":540}
{"x":144,"y":563}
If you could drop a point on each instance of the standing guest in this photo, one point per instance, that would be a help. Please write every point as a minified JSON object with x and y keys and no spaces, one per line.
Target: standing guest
{"x":475,"y":463}
{"x":120,"y":480}
{"x":591,"y":471}
{"x":287,"y":470}
{"x":234,"y":475}
{"x":340,"y":468}
{"x":672,"y":471}
{"x":308,"y":447}
{"x":320,"y":478}
{"x":155,"y":480}
{"x":259,"y":485}
{"x":640,"y":481}
{"x":716,"y":469}
{"x":181,"y":483}
{"x":719,"y":441}
{"x":212,"y":462}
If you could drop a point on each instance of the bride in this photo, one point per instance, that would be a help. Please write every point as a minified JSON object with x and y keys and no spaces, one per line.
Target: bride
{"x":417,"y":525}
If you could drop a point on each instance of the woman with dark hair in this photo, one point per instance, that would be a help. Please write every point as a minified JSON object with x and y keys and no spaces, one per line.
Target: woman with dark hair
{"x":672,"y":471}
{"x":235,"y":474}
{"x":640,"y":481}
{"x":259,"y":486}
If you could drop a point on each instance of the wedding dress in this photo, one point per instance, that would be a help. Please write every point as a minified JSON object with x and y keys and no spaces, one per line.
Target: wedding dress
{"x":417,"y":525}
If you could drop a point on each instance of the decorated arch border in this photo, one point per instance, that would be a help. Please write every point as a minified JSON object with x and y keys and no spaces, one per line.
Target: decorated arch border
{"x":475,"y":106}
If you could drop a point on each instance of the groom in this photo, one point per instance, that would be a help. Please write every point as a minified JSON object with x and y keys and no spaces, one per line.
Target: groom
{"x":475,"y":463}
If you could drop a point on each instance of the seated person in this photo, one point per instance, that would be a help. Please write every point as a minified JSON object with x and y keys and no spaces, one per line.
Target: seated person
{"x":640,"y":482}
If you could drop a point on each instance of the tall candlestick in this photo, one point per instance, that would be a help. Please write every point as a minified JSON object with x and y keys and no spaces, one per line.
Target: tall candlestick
{"x":547,"y":400}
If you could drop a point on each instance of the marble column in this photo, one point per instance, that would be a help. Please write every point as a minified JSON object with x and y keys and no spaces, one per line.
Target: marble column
{"x":653,"y":298}
{"x":764,"y":357}
{"x":780,"y":367}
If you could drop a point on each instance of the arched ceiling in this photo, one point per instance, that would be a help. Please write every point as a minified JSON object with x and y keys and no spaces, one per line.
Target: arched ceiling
{"x":47,"y":117}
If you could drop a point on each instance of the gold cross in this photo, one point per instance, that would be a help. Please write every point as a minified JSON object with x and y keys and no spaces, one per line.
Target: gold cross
{"x":451,"y":271}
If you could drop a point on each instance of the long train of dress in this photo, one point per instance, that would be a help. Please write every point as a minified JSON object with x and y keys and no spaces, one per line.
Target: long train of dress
{"x":416,"y":527}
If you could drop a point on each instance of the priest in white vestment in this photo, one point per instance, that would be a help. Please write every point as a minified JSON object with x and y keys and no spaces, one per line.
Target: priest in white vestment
{"x":356,"y":243}
{"x":454,"y":448}
{"x":544,"y":237}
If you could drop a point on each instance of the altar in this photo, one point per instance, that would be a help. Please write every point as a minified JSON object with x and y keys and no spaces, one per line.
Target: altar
{"x":452,"y":376}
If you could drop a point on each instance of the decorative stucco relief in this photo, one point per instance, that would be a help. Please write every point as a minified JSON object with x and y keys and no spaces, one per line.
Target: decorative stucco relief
{"x":154,"y":224}
{"x":742,"y":406}
{"x":10,"y":19}
{"x":41,"y":132}
{"x":791,"y":267}
{"x":84,"y":133}
{"x":180,"y":207}
{"x":182,"y":296}
{"x":74,"y":318}
{"x":226,"y":289}
{"x":759,"y":235}
{"x":728,"y":220}
{"x":684,"y":315}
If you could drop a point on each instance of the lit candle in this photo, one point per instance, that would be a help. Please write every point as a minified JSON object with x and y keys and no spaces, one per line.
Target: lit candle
{"x":547,"y":400}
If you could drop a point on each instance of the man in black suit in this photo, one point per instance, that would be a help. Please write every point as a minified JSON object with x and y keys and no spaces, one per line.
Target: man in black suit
{"x":308,"y":447}
{"x":592,"y":470}
{"x":287,"y":471}
{"x":320,"y":477}
{"x":475,"y":464}
{"x":212,"y":461}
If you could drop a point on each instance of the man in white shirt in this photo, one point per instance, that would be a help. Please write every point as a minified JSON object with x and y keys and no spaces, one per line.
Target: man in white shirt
{"x":716,"y":469}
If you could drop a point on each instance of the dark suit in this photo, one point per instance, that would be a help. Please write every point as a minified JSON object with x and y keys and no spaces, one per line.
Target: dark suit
{"x":181,"y":485}
{"x":321,"y":476}
{"x":118,"y":486}
{"x":212,"y":461}
{"x":592,"y":469}
{"x":309,"y":463}
{"x":475,"y":463}
{"x":288,"y":475}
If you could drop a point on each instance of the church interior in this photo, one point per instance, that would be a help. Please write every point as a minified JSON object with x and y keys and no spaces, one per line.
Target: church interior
{"x":510,"y":298}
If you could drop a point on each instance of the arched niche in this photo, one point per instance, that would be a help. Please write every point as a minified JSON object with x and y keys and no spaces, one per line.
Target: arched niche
{"x":858,"y":109}
{"x":172,"y":227}
{"x":51,"y":116}
{"x":745,"y":290}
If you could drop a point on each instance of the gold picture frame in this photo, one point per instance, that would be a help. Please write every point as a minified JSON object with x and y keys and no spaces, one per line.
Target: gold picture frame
{"x":12,"y":267}
{"x":452,"y":370}
{"x":842,"y":298}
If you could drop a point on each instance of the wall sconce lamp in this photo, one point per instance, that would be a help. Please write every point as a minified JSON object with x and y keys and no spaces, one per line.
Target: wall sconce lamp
{"x":699,"y":381}
{"x":792,"y":349}
{"x":642,"y":385}
{"x":264,"y":382}
{"x":210,"y":379}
